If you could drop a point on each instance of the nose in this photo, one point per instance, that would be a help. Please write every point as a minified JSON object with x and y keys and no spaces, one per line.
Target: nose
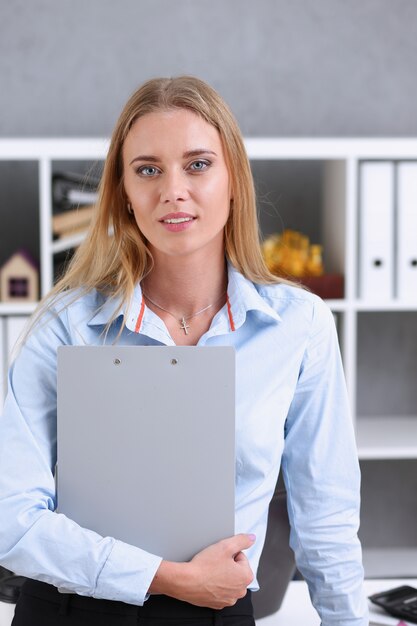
{"x":173,"y":187}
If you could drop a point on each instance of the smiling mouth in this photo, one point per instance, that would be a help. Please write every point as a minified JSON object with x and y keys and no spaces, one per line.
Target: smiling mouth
{"x":178,"y":220}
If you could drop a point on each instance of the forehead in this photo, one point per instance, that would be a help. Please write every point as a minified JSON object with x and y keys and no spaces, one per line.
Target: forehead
{"x":172,"y":131}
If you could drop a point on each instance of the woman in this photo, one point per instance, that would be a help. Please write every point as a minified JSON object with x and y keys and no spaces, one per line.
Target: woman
{"x":184,"y":267}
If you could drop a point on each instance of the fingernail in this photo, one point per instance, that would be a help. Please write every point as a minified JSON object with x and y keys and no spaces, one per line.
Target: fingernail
{"x":252,"y":537}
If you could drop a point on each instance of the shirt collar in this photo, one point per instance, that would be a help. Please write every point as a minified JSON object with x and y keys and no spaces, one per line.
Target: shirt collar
{"x":110,"y":306}
{"x":243,"y":296}
{"x":105,"y":311}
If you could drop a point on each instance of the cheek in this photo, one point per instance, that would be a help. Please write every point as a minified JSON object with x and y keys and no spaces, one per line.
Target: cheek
{"x":218,"y":191}
{"x":136,"y":190}
{"x":142,"y":217}
{"x":143,"y":200}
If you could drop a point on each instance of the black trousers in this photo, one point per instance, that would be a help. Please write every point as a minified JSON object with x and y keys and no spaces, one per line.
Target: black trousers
{"x":40,"y":604}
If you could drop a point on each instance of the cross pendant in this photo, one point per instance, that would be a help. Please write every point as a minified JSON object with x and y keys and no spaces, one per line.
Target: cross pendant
{"x":184,"y":326}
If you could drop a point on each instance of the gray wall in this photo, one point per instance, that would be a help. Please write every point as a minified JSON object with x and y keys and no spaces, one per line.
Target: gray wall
{"x":286,"y":67}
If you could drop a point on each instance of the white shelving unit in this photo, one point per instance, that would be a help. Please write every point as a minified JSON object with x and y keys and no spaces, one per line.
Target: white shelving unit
{"x":377,"y":438}
{"x":392,"y":437}
{"x":387,"y":437}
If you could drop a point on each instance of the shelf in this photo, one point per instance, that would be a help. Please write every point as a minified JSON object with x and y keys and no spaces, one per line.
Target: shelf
{"x":67,"y":243}
{"x":23,"y":308}
{"x":388,"y":437}
{"x":65,"y":148}
{"x":330,"y":148}
{"x":392,"y":305}
{"x":257,"y":147}
{"x":390,"y":562}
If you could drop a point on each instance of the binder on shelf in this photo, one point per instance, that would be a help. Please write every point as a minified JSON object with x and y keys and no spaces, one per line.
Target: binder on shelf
{"x":407,"y":231}
{"x":376,"y":224}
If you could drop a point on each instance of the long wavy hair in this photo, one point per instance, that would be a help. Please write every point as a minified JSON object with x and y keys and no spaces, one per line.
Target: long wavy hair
{"x":114,"y":255}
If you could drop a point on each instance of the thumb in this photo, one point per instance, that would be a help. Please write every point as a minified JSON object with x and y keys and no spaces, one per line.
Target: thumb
{"x":240,"y":542}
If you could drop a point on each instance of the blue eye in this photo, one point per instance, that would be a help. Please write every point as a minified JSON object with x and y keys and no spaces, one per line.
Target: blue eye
{"x":148,"y":170}
{"x":199,"y":166}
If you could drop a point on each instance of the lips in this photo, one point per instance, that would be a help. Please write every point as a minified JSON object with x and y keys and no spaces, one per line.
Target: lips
{"x":177,"y":218}
{"x":177,"y":222}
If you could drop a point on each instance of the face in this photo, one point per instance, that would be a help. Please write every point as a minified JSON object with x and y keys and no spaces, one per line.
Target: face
{"x":176,"y":179}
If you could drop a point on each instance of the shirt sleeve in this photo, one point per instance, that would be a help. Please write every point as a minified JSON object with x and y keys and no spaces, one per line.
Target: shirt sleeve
{"x":34,"y":540}
{"x":322,"y":477}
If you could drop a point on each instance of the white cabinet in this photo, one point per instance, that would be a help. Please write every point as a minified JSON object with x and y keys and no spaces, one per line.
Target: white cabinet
{"x":312,"y":185}
{"x":385,"y":435}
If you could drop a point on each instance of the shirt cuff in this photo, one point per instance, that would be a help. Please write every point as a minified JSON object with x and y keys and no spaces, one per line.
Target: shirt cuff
{"x":127,"y":574}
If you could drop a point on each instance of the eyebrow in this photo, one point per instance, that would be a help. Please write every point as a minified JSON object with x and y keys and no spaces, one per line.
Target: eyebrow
{"x":190,"y":153}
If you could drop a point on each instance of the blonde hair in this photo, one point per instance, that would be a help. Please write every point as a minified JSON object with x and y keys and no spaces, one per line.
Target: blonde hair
{"x":114,"y":263}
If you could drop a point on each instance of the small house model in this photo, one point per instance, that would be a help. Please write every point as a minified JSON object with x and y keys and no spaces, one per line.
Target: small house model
{"x":19,"y":278}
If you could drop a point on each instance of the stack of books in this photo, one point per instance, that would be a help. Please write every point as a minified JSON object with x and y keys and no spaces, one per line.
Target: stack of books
{"x":74,"y":200}
{"x":72,"y":221}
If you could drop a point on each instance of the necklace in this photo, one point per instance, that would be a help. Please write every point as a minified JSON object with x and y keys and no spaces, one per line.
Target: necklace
{"x":183,"y":319}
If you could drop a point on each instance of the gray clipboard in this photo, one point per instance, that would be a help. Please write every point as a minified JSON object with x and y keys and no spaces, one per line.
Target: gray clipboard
{"x":146,"y":444}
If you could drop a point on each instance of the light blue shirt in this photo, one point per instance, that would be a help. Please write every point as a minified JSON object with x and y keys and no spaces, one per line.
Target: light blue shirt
{"x":291,"y":412}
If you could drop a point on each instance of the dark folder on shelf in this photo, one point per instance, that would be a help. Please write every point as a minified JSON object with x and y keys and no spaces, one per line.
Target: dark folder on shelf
{"x":146,"y":444}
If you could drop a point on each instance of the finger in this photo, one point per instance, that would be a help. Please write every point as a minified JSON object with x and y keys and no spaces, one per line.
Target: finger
{"x":239,"y":557}
{"x":239,"y":542}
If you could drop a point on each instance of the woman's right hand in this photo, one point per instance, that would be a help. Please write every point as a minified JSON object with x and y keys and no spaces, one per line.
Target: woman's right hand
{"x":216,"y":577}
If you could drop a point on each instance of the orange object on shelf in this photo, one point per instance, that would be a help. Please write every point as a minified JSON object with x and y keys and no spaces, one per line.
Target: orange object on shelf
{"x":291,"y":256}
{"x":290,"y":253}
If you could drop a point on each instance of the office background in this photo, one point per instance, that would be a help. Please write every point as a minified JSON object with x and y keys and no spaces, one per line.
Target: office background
{"x":299,"y":68}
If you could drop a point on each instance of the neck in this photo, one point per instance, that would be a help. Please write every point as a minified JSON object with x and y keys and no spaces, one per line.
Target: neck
{"x":185,"y":286}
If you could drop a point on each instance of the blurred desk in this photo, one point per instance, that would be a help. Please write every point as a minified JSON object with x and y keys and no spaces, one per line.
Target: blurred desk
{"x":297,"y":609}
